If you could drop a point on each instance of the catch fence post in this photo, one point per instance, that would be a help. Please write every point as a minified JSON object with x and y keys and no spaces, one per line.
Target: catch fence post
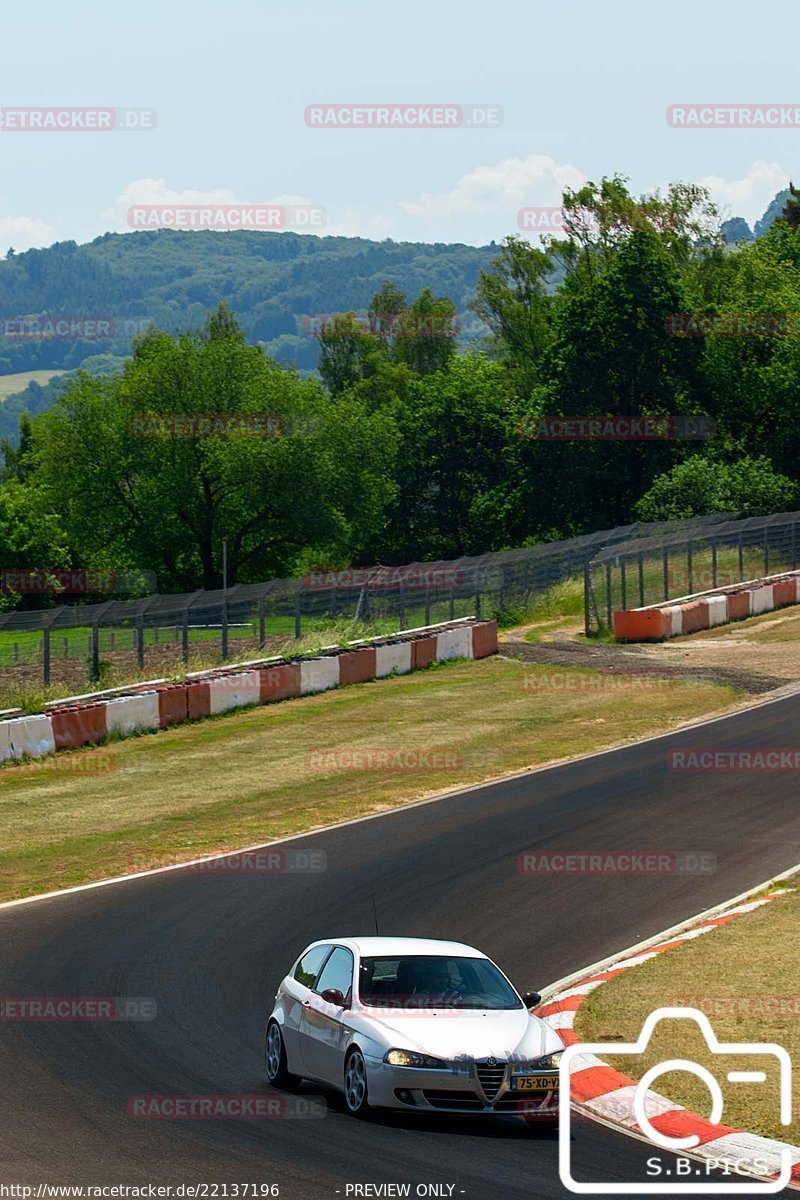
{"x":586,"y":612}
{"x":140,"y":639}
{"x":185,"y":635}
{"x":608,"y":594}
{"x":666,"y":573}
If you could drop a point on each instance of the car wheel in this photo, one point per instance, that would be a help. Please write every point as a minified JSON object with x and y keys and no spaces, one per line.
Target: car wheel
{"x":355,"y":1083}
{"x":275,"y":1055}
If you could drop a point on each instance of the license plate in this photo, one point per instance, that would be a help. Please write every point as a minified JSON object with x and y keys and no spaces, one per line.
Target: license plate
{"x":534,"y":1083}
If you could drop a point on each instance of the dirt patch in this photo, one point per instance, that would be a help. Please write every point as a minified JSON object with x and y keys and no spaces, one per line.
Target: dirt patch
{"x":650,"y":661}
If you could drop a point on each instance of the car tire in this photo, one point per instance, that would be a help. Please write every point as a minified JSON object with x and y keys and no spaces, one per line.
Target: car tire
{"x":275,"y":1058}
{"x":356,"y":1095}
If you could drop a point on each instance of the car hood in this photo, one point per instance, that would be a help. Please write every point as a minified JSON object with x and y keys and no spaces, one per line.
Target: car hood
{"x":479,"y":1034}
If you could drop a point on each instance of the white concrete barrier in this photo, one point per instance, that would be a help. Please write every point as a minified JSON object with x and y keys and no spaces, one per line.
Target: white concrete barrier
{"x":717,"y":610}
{"x":761,"y":599}
{"x":454,"y":643}
{"x":673,"y":611}
{"x":129,"y":713}
{"x":318,"y":675}
{"x":5,"y":741}
{"x":234,"y":691}
{"x":32,"y":736}
{"x":395,"y":657}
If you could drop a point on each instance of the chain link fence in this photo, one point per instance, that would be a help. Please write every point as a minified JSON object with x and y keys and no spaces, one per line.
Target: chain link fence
{"x":687,"y":559}
{"x":84,"y":642}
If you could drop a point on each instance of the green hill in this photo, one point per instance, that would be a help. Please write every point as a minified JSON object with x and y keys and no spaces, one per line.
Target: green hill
{"x":275,"y":282}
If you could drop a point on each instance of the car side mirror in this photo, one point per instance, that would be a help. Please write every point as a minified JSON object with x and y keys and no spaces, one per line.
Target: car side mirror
{"x":333,"y":996}
{"x":531,"y":999}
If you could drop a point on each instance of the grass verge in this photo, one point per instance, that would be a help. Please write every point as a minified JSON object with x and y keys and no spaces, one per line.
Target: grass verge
{"x":745,"y":976}
{"x":267,"y":772}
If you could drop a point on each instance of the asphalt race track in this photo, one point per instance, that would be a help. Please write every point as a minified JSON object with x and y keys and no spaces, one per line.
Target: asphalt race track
{"x":211,"y":948}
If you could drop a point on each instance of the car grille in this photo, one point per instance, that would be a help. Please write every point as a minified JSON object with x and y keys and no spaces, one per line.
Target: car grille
{"x":490,"y":1077}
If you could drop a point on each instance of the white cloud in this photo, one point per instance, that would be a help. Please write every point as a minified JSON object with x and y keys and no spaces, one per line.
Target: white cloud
{"x":149,"y":193}
{"x":750,"y":196}
{"x":349,"y":223}
{"x":25,"y":233}
{"x":501,"y":187}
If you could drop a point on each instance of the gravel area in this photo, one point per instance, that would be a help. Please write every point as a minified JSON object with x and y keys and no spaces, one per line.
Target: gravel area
{"x":606,"y":657}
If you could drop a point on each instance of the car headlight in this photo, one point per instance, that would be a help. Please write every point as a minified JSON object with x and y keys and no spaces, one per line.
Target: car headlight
{"x":408,"y":1058}
{"x":549,"y":1062}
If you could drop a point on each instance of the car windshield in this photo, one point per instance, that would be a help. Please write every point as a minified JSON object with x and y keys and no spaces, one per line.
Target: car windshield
{"x":428,"y":981}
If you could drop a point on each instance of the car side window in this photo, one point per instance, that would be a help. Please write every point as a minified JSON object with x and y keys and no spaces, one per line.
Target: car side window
{"x":337,"y":973}
{"x":310,"y":965}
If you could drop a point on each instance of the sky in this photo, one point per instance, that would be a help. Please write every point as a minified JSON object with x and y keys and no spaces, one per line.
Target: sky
{"x":557,"y":93}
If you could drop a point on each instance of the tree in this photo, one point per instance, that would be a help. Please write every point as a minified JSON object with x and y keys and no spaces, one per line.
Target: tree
{"x":386,"y":306}
{"x":32,"y":537}
{"x":613,"y":357}
{"x":346,"y":352}
{"x":699,"y":485}
{"x":453,"y":465}
{"x":426,"y":334}
{"x":514,"y":301}
{"x":141,"y":485}
{"x":791,"y":209}
{"x":600,"y":218}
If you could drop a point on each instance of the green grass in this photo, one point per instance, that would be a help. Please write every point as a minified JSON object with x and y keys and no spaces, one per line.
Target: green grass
{"x":9,"y":384}
{"x":245,"y":778}
{"x":743,"y":976}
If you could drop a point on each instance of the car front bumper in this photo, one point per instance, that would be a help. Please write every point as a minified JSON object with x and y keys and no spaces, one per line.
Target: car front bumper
{"x":456,"y":1090}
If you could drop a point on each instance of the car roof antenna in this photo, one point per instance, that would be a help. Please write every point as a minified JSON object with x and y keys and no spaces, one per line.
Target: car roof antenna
{"x":375,"y":915}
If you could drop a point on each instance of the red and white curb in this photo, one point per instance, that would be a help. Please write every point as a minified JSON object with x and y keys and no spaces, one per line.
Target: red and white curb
{"x":599,"y":1091}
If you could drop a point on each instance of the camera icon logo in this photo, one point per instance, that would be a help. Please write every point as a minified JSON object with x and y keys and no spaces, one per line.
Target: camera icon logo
{"x":643,"y":1105}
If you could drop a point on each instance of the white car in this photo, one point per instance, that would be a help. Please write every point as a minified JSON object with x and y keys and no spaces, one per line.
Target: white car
{"x":413,"y":1024}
